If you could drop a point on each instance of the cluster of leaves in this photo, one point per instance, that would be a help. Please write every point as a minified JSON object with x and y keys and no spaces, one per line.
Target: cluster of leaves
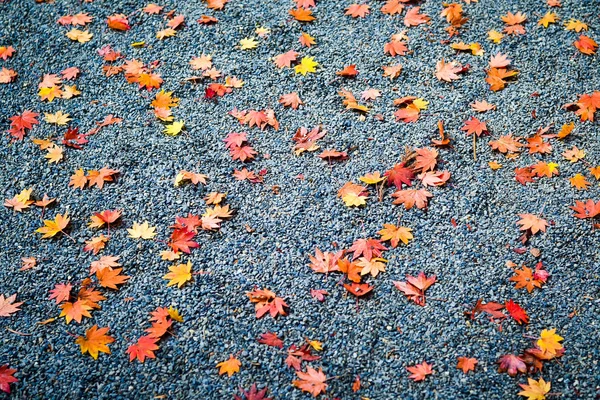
{"x":161,"y":321}
{"x":418,"y":166}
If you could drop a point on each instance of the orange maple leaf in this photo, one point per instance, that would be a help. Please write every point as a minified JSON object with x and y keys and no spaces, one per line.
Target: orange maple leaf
{"x":420,"y":371}
{"x":311,"y":381}
{"x":144,"y":347}
{"x":95,"y":341}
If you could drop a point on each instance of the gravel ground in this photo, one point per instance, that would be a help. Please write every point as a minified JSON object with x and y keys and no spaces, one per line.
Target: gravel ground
{"x":387,"y":333}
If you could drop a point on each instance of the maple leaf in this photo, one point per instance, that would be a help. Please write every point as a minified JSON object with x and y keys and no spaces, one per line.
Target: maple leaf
{"x":419,"y":372}
{"x":58,"y":118}
{"x":324,"y":262}
{"x":291,"y":100}
{"x":574,"y":154}
{"x":506,"y":143}
{"x":357,"y":10}
{"x":144,"y":347}
{"x":542,"y":169}
{"x":549,"y":341}
{"x":532,"y":223}
{"x":516,"y":312}
{"x":97,"y":178}
{"x":367,"y":248}
{"x":20,"y":123}
{"x":306,"y":40}
{"x":179,"y":274}
{"x":267,"y":302}
{"x":70,"y":73}
{"x":307,"y":64}
{"x":118,"y":22}
{"x":159,"y":328}
{"x":319,"y":294}
{"x":589,"y":209}
{"x":482,"y":106}
{"x":392,"y":71}
{"x":579,"y":182}
{"x":511,"y":364}
{"x":412,"y":197}
{"x":534,"y":390}
{"x":575,"y":25}
{"x":7,"y":75}
{"x":61,"y":292}
{"x":447,"y":71}
{"x":496,"y":78}
{"x":348,"y":72}
{"x":395,"y":48}
{"x":586,"y":45}
{"x":271,"y":339}
{"x":434,"y":178}
{"x":358,"y":289}
{"x":353,"y":194}
{"x":152,"y":9}
{"x":415,"y":287}
{"x":142,"y":231}
{"x":524,"y":278}
{"x":20,"y":201}
{"x":548,"y":18}
{"x":426,"y":159}
{"x":302,"y":15}
{"x":311,"y":381}
{"x":6,"y":378}
{"x":109,"y":262}
{"x":371,"y":266}
{"x":474,"y":125}
{"x":466,"y":364}
{"x":398,"y":175}
{"x":248,"y":43}
{"x":110,"y":278}
{"x":95,"y":341}
{"x":8,"y":305}
{"x":395,"y":234}
{"x":174,"y":129}
{"x":75,"y":311}
{"x":230,"y":366}
{"x":104,"y":217}
{"x":6,"y":52}
{"x":54,"y":154}
{"x":285,"y":59}
{"x":80,"y":36}
{"x":413,"y":18}
{"x":181,"y":240}
{"x":95,"y":244}
{"x":253,"y":394}
{"x":53,"y":227}
{"x":392,"y":7}
{"x":190,"y":176}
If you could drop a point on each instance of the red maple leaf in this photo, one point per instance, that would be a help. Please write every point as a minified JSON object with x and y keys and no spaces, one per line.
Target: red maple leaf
{"x":271,"y":339}
{"x":399,"y":175}
{"x":511,"y":364}
{"x":516,"y":312}
{"x":367,"y":248}
{"x":181,"y":240}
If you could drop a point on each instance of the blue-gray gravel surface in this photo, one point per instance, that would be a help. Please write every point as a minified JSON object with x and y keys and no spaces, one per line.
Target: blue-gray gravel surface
{"x":385,"y":333}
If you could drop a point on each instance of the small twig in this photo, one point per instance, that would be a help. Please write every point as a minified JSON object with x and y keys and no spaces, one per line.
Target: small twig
{"x":18,"y":333}
{"x":436,"y":299}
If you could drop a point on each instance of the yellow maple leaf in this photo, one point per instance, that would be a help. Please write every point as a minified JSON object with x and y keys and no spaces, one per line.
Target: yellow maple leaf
{"x":58,"y":118}
{"x":70,"y":92}
{"x":307,"y":64}
{"x":230,"y":366}
{"x":547,"y":19}
{"x":494,"y":165}
{"x":395,"y":234}
{"x":54,"y":154}
{"x":372,"y":178}
{"x":52,"y":227}
{"x":315,"y":344}
{"x":95,"y":341}
{"x":169,"y":32}
{"x":50,"y":93}
{"x":575,"y":25}
{"x":578,"y":181}
{"x":535,"y":390}
{"x":549,"y":341}
{"x":174,"y":129}
{"x":174,"y":314}
{"x":179,"y":274}
{"x":248,"y":43}
{"x":79,"y":36}
{"x":421,"y":104}
{"x":262,"y":31}
{"x":495,"y":36}
{"x":142,"y":231}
